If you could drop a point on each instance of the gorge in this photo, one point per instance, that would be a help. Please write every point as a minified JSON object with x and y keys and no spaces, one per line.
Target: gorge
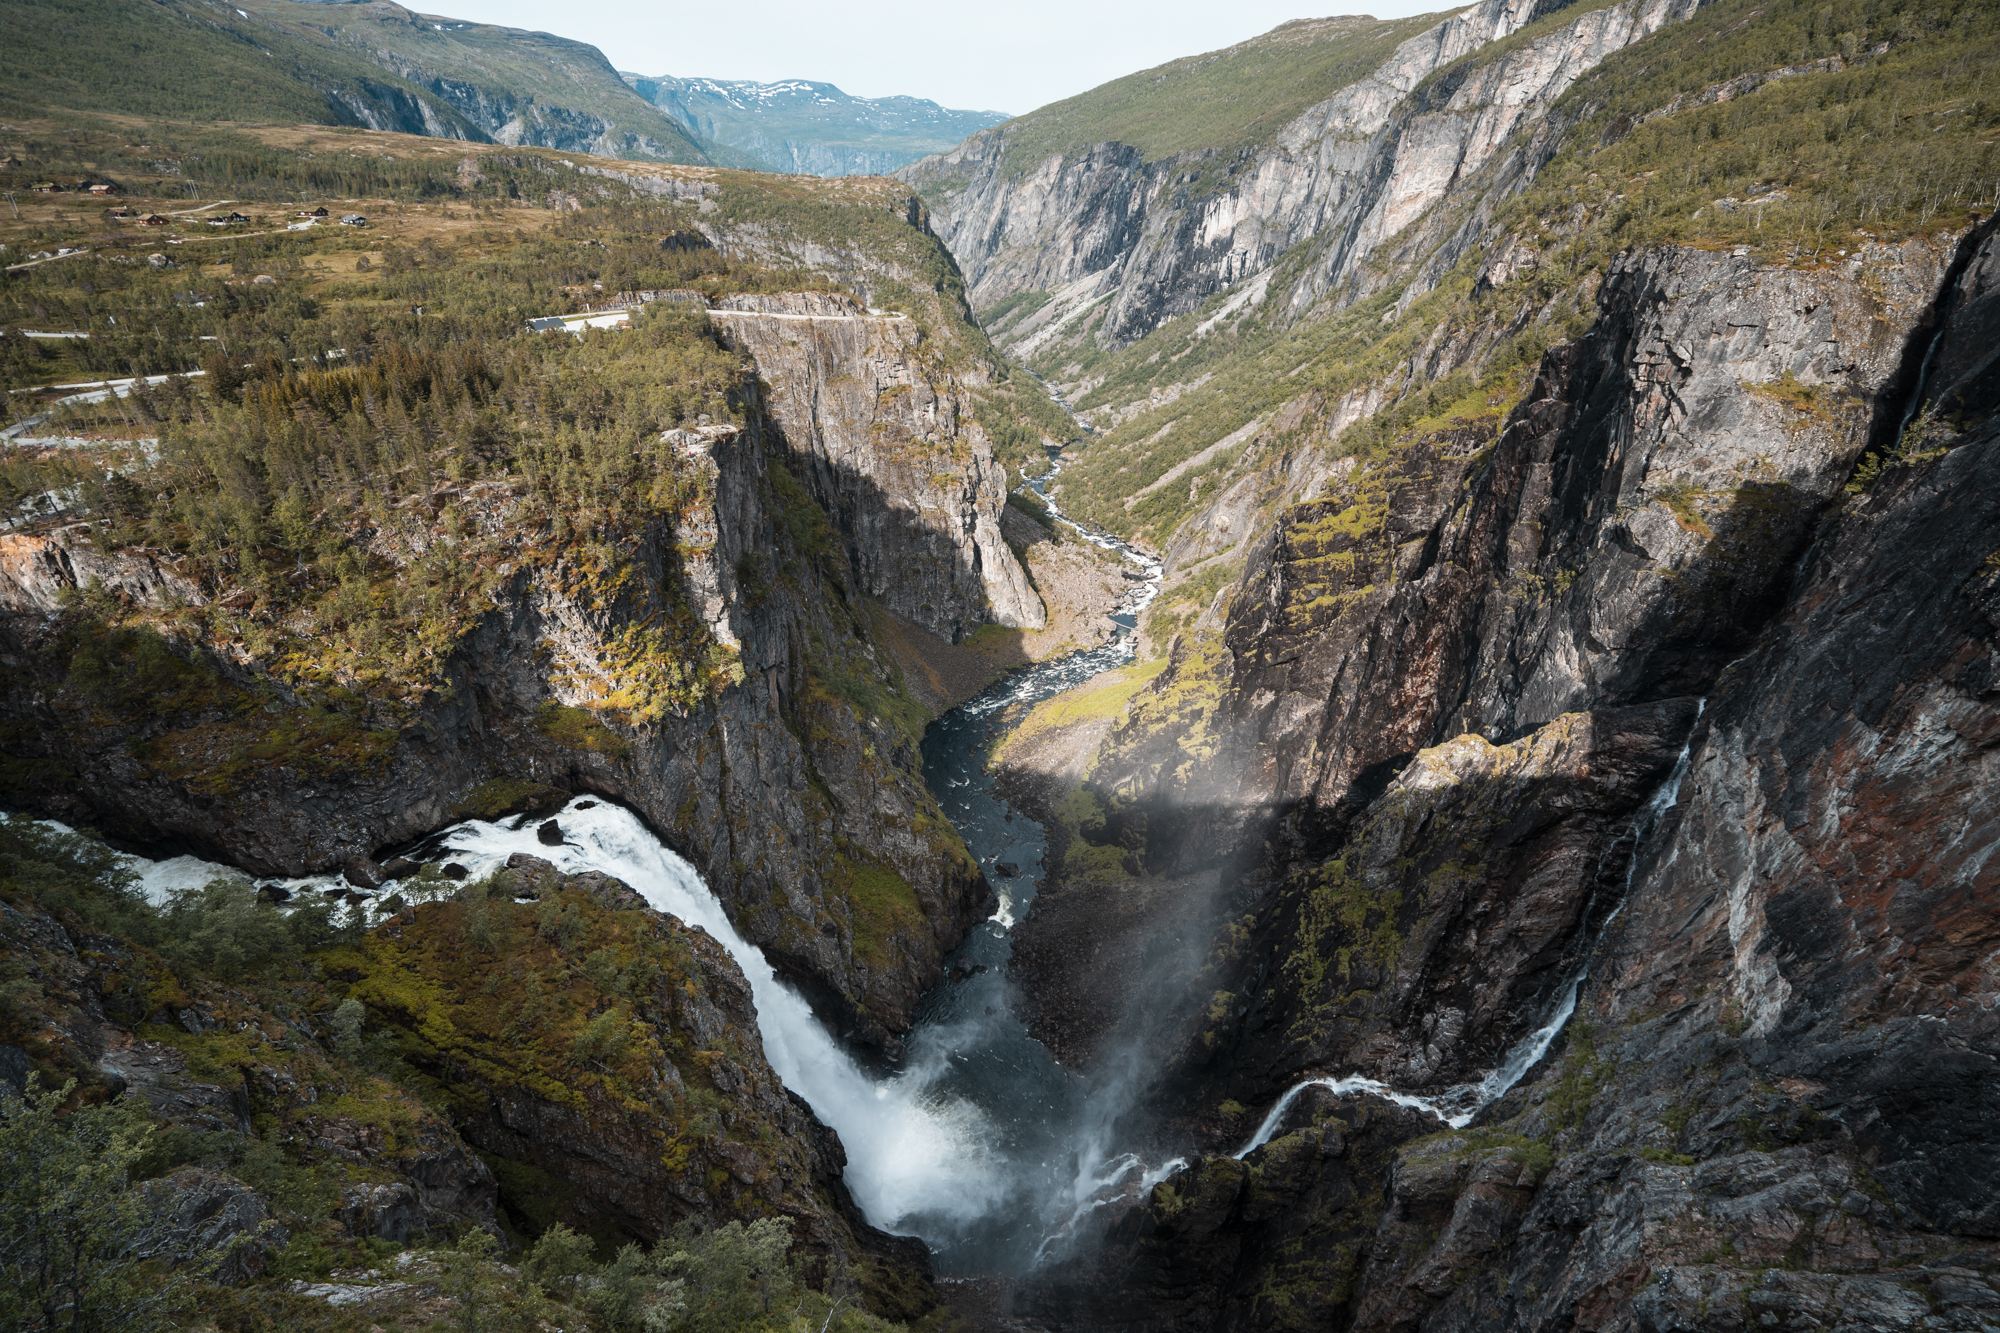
{"x":1349,"y":684}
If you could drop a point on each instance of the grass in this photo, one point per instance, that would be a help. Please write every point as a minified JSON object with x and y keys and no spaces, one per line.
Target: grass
{"x":1218,"y":103}
{"x":1102,"y":699}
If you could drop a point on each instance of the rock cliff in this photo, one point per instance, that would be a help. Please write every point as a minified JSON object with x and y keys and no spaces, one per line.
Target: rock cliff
{"x":1619,"y":537}
{"x":1125,"y":244}
{"x":1758,"y":861}
{"x":887,"y":439}
{"x":790,"y":769}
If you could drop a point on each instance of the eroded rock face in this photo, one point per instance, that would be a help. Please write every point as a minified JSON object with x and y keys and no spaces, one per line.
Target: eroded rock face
{"x":1623,"y":538}
{"x":1778,"y":1102}
{"x":1353,"y":171}
{"x":1457,"y":912}
{"x":889,"y":446}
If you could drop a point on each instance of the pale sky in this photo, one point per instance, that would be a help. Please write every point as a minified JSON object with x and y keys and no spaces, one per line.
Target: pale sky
{"x":1010,"y":57}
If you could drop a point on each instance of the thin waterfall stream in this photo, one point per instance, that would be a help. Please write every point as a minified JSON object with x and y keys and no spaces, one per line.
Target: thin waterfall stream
{"x":1456,"y":1105}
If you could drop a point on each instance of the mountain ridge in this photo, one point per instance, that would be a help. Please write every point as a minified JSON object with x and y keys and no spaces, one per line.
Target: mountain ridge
{"x":799,"y":126}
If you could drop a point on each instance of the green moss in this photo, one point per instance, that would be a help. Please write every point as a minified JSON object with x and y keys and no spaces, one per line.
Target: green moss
{"x":1342,"y":922}
{"x":219,"y":758}
{"x":497,"y":797}
{"x":580,"y":729}
{"x":884,"y":906}
{"x":1102,"y":699}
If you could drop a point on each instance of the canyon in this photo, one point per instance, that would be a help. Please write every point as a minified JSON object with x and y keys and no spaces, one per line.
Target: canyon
{"x":1356,"y":723}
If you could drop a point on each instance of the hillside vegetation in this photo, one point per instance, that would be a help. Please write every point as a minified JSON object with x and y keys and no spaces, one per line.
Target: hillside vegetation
{"x":380,"y":372}
{"x":376,"y":64}
{"x":1220,"y":103}
{"x":1883,"y":123}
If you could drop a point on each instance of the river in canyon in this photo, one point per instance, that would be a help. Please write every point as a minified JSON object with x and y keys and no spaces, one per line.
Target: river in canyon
{"x":981,"y":1143}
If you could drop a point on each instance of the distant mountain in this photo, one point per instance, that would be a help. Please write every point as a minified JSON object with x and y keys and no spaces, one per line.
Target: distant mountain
{"x":807,"y":128}
{"x":373,"y":64}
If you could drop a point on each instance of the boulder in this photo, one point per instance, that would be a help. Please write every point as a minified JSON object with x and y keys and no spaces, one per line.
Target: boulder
{"x":198,"y":1212}
{"x":386,"y":1212}
{"x":363,"y":873}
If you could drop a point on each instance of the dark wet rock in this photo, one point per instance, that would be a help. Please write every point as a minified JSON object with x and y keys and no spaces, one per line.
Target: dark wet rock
{"x":453,"y":870}
{"x":1008,"y":868}
{"x":274,"y":893}
{"x":1278,"y":1237}
{"x":396,"y":867}
{"x":550,"y":834}
{"x":14,"y":1067}
{"x":363,"y":873}
{"x":158,"y":1073}
{"x":197,"y":1212}
{"x":1457,"y":910}
{"x":385,"y":1212}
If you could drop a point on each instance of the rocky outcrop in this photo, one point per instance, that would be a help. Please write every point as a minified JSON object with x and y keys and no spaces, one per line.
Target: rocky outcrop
{"x":1275,"y":1240}
{"x":1621,"y":537}
{"x":1099,"y":225}
{"x":199,"y":1215}
{"x":886,"y":439}
{"x":216,"y":1069}
{"x":625,"y":1100}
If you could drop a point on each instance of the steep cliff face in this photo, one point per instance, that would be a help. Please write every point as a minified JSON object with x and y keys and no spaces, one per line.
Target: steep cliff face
{"x":1619,"y":537}
{"x":785,"y":774}
{"x":1760,"y":865}
{"x":887,"y":437}
{"x":1102,"y":226}
{"x":1792,"y":1083}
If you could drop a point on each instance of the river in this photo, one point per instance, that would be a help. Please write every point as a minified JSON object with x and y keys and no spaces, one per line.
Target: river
{"x":981,"y":1144}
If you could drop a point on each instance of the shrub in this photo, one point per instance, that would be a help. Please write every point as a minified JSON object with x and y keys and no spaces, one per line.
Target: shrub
{"x":71,"y":1227}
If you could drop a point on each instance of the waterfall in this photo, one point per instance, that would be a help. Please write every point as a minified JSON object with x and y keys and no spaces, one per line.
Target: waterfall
{"x":1456,"y":1105}
{"x":908,"y":1152}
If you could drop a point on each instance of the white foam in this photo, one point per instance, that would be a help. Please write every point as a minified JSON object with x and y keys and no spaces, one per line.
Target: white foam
{"x":908,"y":1152}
